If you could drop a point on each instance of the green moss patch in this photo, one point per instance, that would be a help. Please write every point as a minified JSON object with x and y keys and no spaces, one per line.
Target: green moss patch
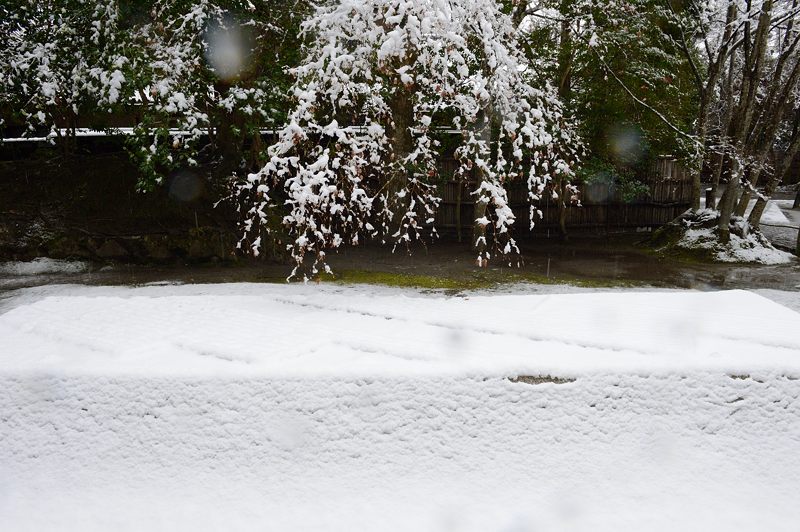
{"x":476,"y":281}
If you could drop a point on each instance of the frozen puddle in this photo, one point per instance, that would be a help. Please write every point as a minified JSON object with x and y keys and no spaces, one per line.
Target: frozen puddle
{"x":244,"y":407}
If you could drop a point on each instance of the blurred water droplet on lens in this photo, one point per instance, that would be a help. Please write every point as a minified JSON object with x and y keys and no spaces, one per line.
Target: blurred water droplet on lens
{"x":597,"y":192}
{"x":228,"y":48}
{"x":454,"y":340}
{"x":567,"y":508}
{"x":289,"y":431}
{"x":663,"y":447}
{"x":626,"y":143}
{"x":685,"y":332}
{"x":519,"y":523}
{"x":185,"y":186}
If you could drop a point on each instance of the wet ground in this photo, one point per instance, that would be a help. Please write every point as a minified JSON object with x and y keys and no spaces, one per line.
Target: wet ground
{"x":587,"y":261}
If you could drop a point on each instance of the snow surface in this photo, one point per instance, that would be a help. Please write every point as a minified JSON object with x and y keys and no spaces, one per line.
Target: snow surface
{"x":288,"y":331}
{"x":269,"y":407}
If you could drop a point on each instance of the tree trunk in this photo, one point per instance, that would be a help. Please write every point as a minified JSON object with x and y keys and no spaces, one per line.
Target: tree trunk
{"x":761,"y":204}
{"x":479,"y":230}
{"x":743,"y":202}
{"x":726,"y":204}
{"x":562,"y":221}
{"x":697,"y":189}
{"x":720,"y":168}
{"x":565,"y":56}
{"x":459,"y":190}
{"x":747,"y":193}
{"x":229,"y":145}
{"x":228,"y":139}
{"x":402,"y":108}
{"x":715,"y":175}
{"x":519,"y":12}
{"x":697,"y":166}
{"x":562,"y":210}
{"x":707,"y":94}
{"x":565,"y":65}
{"x":797,"y":246}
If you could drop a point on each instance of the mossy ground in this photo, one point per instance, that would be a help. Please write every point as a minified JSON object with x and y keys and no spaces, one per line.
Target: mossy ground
{"x":473,"y":281}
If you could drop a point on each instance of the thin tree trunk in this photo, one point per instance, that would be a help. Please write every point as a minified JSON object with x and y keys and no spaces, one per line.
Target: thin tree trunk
{"x":479,"y":243}
{"x":229,"y":144}
{"x":565,"y":56}
{"x":726,"y":124}
{"x":458,"y":210}
{"x":747,"y":194}
{"x":228,"y":140}
{"x":519,"y":12}
{"x":715,"y":176}
{"x":565,"y":65}
{"x":479,"y":230}
{"x":562,"y":210}
{"x":761,"y":203}
{"x":797,"y":246}
{"x":727,"y":202}
{"x":402,"y":108}
{"x":697,"y":170}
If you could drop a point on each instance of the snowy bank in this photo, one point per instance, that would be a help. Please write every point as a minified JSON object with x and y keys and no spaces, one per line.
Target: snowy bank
{"x":752,"y":247}
{"x":290,"y":331}
{"x":696,"y":232}
{"x":41,"y":266}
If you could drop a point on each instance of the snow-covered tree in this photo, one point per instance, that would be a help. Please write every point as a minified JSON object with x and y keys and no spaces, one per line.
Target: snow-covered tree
{"x":208,"y":78}
{"x":60,"y":60}
{"x":618,"y":73}
{"x":745,"y":56}
{"x":200,"y":77}
{"x":383,"y":84}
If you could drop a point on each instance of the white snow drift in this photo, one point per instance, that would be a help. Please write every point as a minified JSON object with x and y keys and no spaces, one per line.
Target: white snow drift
{"x":251,"y":407}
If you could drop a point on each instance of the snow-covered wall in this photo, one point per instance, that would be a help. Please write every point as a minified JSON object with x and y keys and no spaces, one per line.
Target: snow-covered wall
{"x":263,"y":407}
